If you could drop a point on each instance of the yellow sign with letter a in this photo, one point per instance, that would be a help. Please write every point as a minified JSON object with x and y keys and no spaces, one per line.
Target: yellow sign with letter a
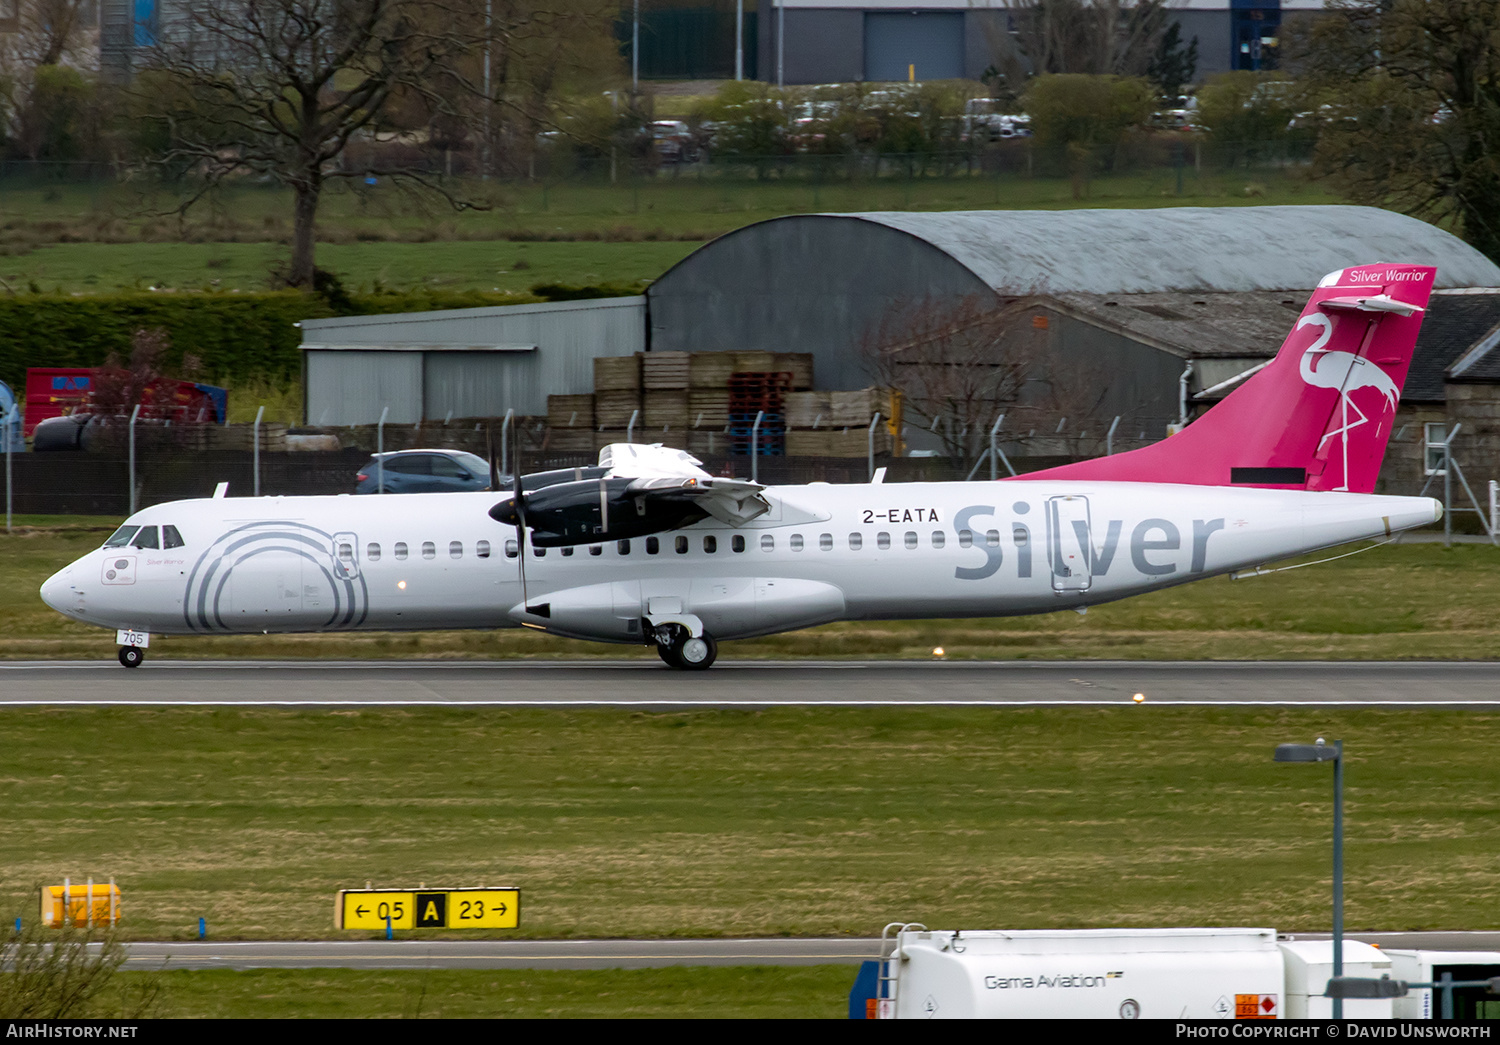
{"x":483,"y":908}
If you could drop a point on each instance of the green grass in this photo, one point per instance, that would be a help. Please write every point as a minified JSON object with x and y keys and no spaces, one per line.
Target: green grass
{"x":762,"y":992}
{"x":490,"y":265}
{"x":87,"y":239}
{"x":789,"y":821}
{"x":1419,"y":601}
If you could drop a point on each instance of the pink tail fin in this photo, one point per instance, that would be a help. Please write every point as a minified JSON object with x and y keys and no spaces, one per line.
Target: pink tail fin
{"x":1318,"y":417}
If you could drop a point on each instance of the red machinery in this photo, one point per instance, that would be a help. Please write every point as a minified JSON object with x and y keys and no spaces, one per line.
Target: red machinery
{"x":56,"y":391}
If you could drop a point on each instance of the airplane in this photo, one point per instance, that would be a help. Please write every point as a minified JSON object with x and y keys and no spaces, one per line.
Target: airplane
{"x":648,"y":548}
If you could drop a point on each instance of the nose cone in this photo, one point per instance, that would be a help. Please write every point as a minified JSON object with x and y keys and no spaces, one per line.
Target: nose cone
{"x":57,"y":591}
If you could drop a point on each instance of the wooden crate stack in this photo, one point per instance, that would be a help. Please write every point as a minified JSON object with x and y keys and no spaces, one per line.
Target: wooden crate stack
{"x":570,"y":423}
{"x":617,"y":390}
{"x":835,"y":424}
{"x":665,"y":377}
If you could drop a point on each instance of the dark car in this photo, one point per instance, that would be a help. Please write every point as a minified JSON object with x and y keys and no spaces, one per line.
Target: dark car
{"x":423,"y":471}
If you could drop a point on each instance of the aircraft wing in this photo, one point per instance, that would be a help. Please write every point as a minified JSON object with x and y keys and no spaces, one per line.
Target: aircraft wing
{"x":731,"y":501}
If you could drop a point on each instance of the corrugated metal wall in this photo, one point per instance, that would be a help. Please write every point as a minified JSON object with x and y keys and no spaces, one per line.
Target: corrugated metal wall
{"x":473,"y":362}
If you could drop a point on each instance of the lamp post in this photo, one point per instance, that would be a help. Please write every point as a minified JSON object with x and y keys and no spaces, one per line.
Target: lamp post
{"x":1323,"y":752}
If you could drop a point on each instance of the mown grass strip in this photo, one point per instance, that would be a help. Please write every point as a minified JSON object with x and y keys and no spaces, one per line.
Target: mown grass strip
{"x":753,"y":992}
{"x":782,"y":822}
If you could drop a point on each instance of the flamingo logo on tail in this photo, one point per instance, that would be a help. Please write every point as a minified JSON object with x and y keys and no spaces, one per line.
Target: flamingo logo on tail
{"x":1342,"y":372}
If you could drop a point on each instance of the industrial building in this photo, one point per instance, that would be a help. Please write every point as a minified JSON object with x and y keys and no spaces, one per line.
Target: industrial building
{"x":1158,"y":311}
{"x":829,"y":41}
{"x":467,"y":362}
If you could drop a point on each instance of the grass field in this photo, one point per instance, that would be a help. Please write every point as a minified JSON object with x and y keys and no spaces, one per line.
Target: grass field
{"x":467,"y":265}
{"x":814,"y":992}
{"x":87,"y":239}
{"x":1416,"y":601}
{"x":801,"y":822}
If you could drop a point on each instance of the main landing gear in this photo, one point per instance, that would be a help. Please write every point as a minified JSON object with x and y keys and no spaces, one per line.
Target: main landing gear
{"x":678,"y":649}
{"x":131,"y":656}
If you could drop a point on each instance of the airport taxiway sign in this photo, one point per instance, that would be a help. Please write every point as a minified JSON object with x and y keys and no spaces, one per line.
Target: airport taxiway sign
{"x":483,"y":908}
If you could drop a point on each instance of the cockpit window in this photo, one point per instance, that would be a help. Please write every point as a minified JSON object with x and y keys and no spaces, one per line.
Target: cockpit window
{"x":146,"y":538}
{"x":121,"y":537}
{"x":170,"y":538}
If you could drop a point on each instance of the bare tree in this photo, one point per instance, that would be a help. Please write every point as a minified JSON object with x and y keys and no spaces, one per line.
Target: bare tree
{"x":45,"y":32}
{"x":959,"y":364}
{"x":1410,"y":113}
{"x":1097,"y":37}
{"x":278,"y":88}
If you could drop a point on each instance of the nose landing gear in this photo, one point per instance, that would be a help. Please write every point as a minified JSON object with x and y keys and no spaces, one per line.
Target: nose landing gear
{"x":131,"y":656}
{"x":679,"y":649}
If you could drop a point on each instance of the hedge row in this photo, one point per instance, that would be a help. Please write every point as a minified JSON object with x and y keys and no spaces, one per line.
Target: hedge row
{"x":235,"y":336}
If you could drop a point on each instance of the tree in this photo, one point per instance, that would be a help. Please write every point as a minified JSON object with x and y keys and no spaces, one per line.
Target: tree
{"x":1408,"y":95}
{"x":48,"y":106}
{"x":1173,"y":66}
{"x":959,"y":364}
{"x":278,"y":88}
{"x":1081,"y":119}
{"x":1246,"y":113}
{"x":1101,"y":37}
{"x":68,"y":973}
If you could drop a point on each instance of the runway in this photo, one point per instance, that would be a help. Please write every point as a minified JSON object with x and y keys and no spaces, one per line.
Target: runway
{"x":602,"y":954}
{"x":740,"y":684}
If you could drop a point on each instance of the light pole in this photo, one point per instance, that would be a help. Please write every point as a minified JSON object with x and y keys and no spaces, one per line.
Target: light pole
{"x":1322,"y":752}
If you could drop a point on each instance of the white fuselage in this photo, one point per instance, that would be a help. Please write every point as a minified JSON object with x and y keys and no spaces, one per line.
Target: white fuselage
{"x":822,"y":553}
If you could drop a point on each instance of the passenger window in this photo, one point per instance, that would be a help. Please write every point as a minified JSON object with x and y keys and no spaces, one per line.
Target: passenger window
{"x":346,"y":552}
{"x":429,"y":550}
{"x":372,"y":551}
{"x":682,"y":545}
{"x":146,"y":538}
{"x":737,"y":543}
{"x":567,"y":552}
{"x":856,"y":542}
{"x":455,"y":549}
{"x":992,"y":538}
{"x":653,"y":546}
{"x":623,"y":547}
{"x":710,"y":544}
{"x":767,"y":542}
{"x":596,"y":549}
{"x":121,"y":537}
{"x":400,"y":549}
{"x":511,"y":551}
{"x":796,"y":542}
{"x":540,"y":553}
{"x":910,"y":539}
{"x":938,"y":538}
{"x":482,"y":549}
{"x":170,"y":538}
{"x":966,"y":538}
{"x":883,"y":540}
{"x":1020,"y":535}
{"x":825,"y":541}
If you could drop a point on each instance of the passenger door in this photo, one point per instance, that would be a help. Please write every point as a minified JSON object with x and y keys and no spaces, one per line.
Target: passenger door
{"x":1069,"y":544}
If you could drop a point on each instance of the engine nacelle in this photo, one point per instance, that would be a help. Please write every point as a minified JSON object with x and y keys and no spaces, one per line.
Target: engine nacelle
{"x":595,"y":510}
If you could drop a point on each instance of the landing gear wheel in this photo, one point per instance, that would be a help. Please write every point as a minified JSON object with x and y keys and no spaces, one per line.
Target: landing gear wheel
{"x":668,"y":653}
{"x":131,"y":656}
{"x":698,"y":654}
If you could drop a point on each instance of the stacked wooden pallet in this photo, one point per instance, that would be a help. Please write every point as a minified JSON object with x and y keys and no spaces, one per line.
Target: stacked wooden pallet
{"x":617,"y":390}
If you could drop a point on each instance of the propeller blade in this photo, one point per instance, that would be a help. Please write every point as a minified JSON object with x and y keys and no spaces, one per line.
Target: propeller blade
{"x":489,"y":446}
{"x":520,"y":503}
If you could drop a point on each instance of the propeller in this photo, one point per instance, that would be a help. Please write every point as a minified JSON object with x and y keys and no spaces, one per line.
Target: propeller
{"x":520,"y":503}
{"x":489,"y":447}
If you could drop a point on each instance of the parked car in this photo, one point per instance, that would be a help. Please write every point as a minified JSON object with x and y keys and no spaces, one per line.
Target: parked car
{"x":423,"y":471}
